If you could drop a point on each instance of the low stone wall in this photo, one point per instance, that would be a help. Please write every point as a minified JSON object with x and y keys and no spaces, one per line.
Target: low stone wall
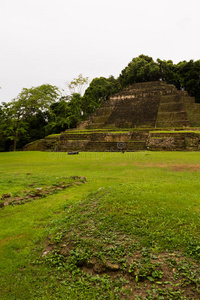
{"x":126,"y":141}
{"x":174,"y":141}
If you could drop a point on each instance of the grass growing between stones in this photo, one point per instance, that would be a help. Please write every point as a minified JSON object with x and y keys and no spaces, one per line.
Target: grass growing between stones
{"x":130,"y":232}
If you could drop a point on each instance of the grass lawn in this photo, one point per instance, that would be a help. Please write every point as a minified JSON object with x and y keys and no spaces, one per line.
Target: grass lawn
{"x":132,"y":231}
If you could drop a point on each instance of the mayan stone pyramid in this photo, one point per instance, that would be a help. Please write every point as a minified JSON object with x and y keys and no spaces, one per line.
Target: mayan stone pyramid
{"x":143,"y":116}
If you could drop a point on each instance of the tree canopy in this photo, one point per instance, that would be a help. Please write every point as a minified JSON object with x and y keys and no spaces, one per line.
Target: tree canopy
{"x":29,"y":103}
{"x":140,"y":69}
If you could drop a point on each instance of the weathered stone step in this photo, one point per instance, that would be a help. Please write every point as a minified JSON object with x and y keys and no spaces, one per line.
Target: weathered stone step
{"x":179,"y":97}
{"x":171,"y":107}
{"x":136,"y":145}
{"x":100,"y":119}
{"x":174,"y":115}
{"x":103,"y":111}
{"x":95,"y":125}
{"x":115,"y":146}
{"x":134,"y":93}
{"x":136,"y":136}
{"x":172,"y":123}
{"x":188,"y":100}
{"x":75,"y":136}
{"x":193,"y":107}
{"x":170,"y":98}
{"x":72,"y":145}
{"x":177,"y":134}
{"x":169,"y":144}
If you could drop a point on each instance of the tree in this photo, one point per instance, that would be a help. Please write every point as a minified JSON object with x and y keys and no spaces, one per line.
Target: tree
{"x":77,"y":107}
{"x":35,"y":128}
{"x":167,"y":70}
{"x":77,"y":85}
{"x":59,"y":114}
{"x":98,"y":91}
{"x":140,"y":69}
{"x":188,"y":75}
{"x":28,"y":103}
{"x":2,"y":127}
{"x":65,"y":113}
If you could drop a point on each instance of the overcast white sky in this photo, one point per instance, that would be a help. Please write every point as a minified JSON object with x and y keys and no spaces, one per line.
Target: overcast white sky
{"x":53,"y":41}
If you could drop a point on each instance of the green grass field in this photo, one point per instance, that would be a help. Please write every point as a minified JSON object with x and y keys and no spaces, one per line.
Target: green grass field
{"x":132,"y":231}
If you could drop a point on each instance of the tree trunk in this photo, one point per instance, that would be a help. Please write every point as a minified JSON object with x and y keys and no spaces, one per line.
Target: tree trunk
{"x":15,"y":140}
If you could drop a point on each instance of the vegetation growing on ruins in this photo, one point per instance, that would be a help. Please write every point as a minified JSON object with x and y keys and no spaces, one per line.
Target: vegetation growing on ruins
{"x":18,"y":128}
{"x":184,"y":75}
{"x":130,"y":232}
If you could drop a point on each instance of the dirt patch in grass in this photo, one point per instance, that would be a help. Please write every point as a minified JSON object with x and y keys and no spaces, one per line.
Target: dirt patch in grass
{"x":5,"y":241}
{"x":188,"y":168}
{"x":172,"y":167}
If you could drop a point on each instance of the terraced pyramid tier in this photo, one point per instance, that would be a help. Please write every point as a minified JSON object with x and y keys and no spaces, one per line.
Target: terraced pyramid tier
{"x":150,"y":105}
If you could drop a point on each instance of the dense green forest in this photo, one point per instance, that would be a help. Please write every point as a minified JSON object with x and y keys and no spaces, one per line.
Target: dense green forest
{"x":39,"y":111}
